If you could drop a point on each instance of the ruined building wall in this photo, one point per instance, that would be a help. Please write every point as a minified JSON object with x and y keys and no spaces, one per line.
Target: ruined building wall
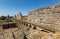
{"x":18,"y":16}
{"x":33,"y":32}
{"x":46,"y":17}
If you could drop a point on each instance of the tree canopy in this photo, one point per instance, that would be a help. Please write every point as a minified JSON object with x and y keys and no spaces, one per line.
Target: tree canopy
{"x":2,"y":17}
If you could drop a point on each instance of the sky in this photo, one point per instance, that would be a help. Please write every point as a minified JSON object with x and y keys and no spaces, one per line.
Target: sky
{"x":13,"y":7}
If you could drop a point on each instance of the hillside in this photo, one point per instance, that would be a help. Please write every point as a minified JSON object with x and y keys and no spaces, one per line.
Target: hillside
{"x":48,"y":17}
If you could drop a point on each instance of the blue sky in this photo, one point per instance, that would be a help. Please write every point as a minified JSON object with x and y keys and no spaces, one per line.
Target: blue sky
{"x":13,"y":7}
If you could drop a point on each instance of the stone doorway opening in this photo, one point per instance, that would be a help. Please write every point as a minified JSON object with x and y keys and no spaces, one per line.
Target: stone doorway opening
{"x":9,"y":25}
{"x":25,"y":36}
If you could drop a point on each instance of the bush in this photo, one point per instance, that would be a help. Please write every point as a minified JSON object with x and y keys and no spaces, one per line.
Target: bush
{"x":2,"y":17}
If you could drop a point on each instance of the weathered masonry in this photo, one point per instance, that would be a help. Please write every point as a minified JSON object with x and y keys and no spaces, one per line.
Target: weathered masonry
{"x":42,"y":23}
{"x":34,"y":32}
{"x":8,"y":25}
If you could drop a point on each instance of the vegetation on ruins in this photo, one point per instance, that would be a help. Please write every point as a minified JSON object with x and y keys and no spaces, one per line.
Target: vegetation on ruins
{"x":3,"y":17}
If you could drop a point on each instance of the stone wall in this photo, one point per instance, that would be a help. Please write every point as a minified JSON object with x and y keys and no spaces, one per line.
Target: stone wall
{"x":46,"y":17}
{"x":18,"y":16}
{"x":34,"y":32}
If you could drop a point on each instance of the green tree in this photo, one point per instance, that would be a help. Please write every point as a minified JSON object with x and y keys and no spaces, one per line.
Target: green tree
{"x":2,"y":17}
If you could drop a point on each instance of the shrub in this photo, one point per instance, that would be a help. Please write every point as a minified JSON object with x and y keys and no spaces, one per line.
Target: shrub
{"x":2,"y":17}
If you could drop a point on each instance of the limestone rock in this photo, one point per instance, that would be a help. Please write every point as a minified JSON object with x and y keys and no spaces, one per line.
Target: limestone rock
{"x":46,"y":17}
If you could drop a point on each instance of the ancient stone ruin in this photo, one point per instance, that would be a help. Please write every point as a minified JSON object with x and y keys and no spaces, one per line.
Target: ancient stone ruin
{"x":43,"y":23}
